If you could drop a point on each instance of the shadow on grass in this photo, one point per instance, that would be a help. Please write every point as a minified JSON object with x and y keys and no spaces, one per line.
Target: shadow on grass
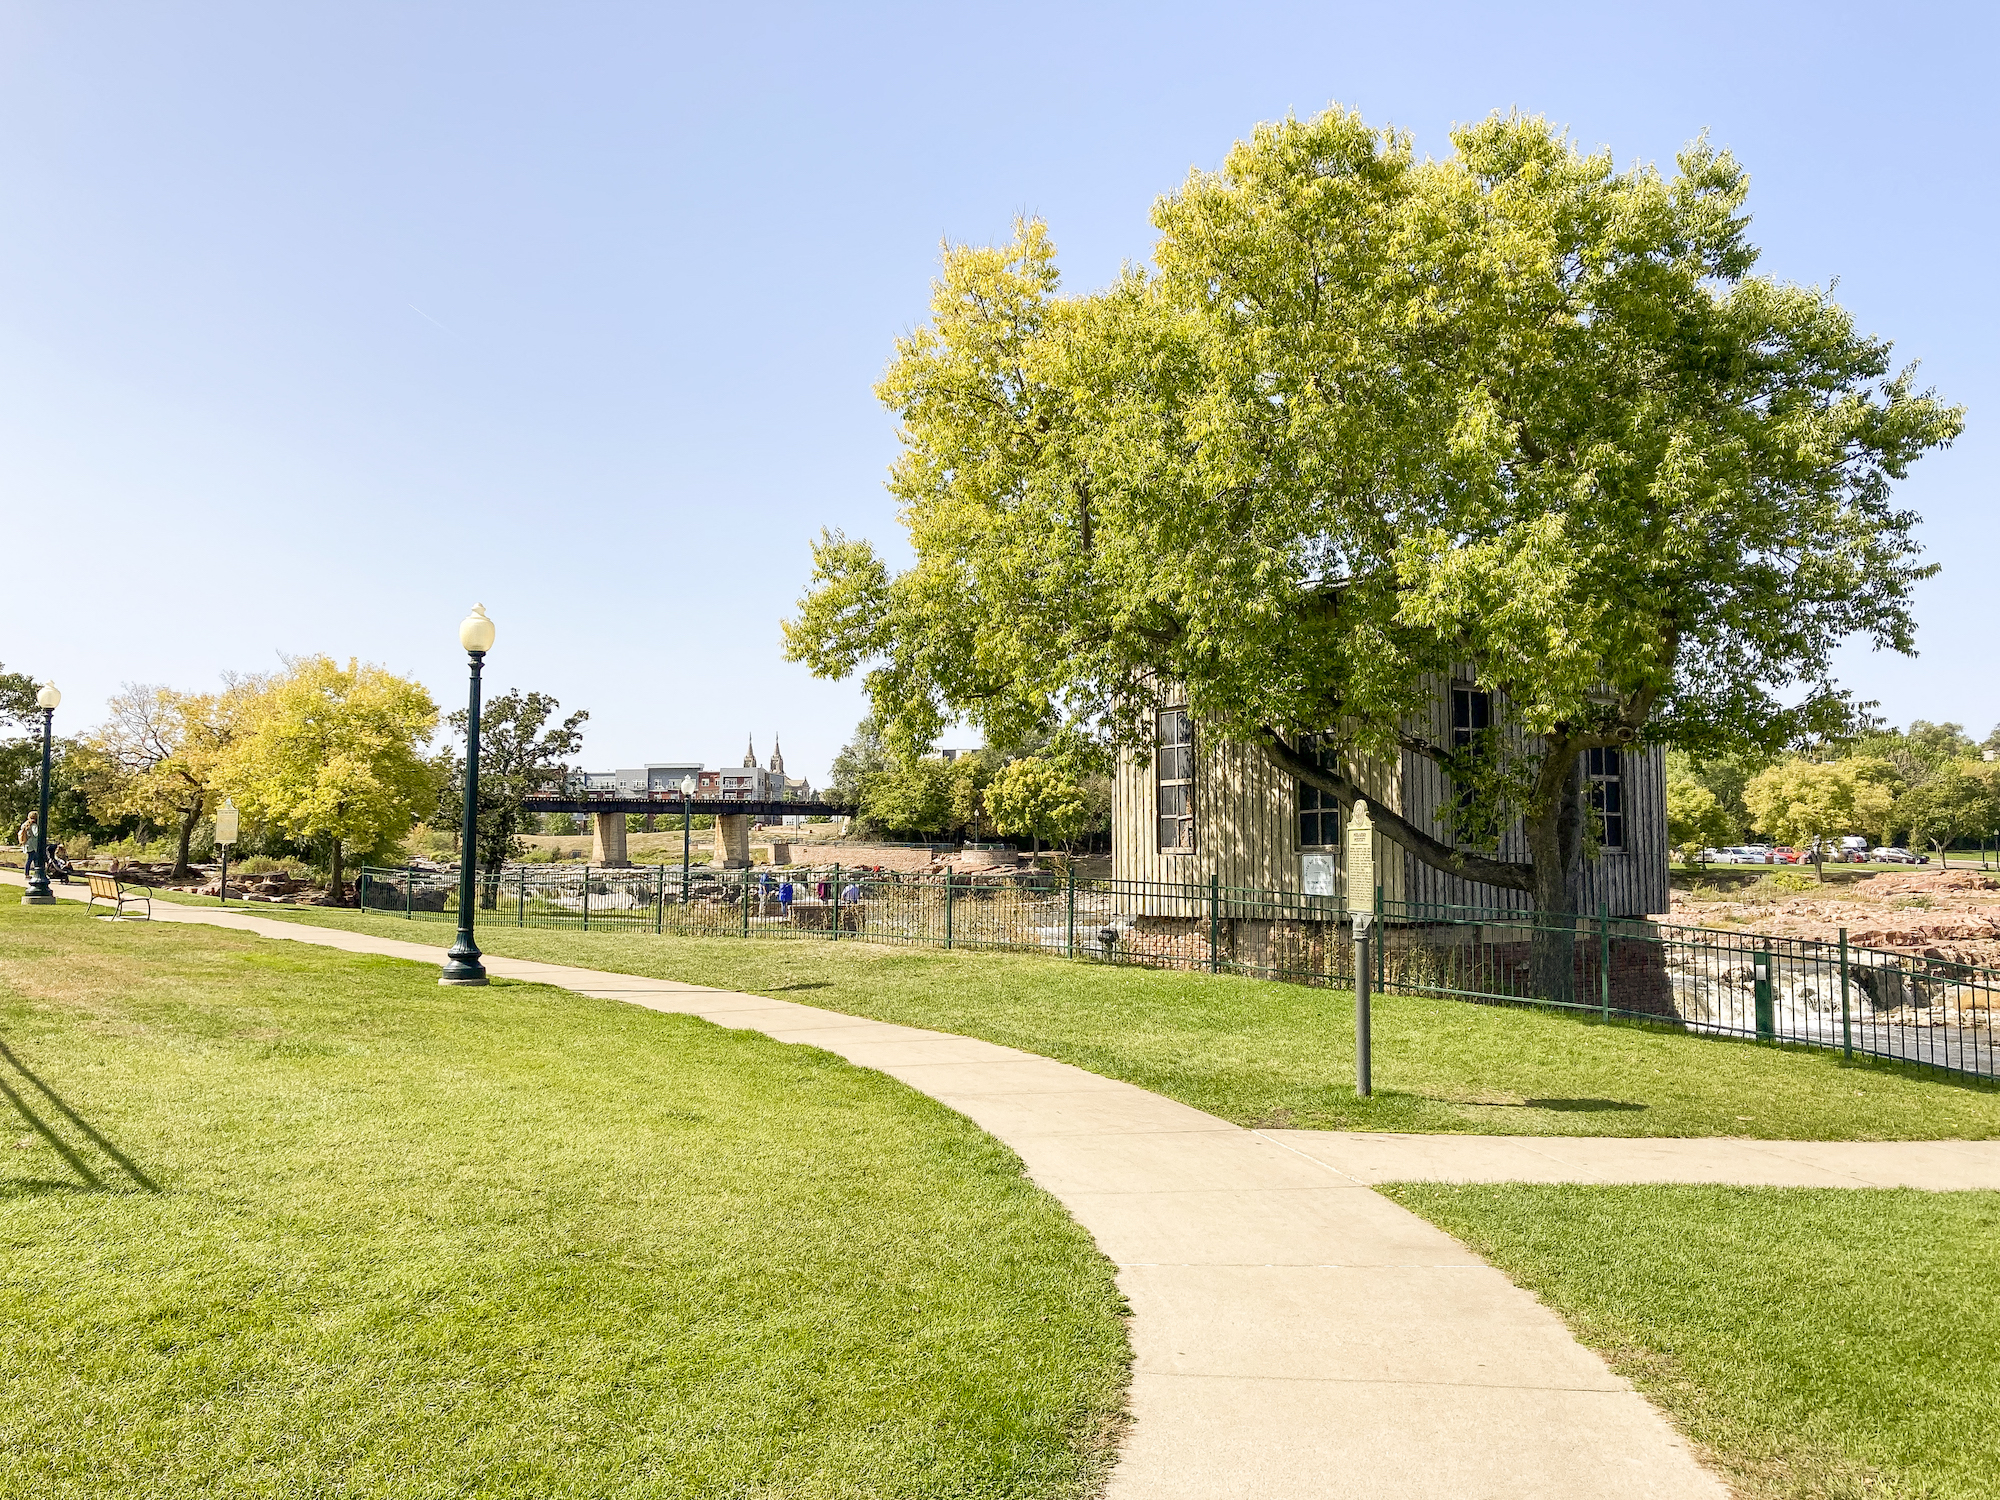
{"x":48,"y":1132}
{"x":1583,"y":1106}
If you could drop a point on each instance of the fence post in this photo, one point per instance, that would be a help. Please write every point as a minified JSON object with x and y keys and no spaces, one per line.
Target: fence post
{"x":360,"y":888}
{"x":409,"y":885}
{"x":1760,"y":986}
{"x":947,"y":906}
{"x":1604,"y":959}
{"x":1381,"y":948}
{"x":660,"y":905}
{"x":1846,"y":1025}
{"x":746,"y":902}
{"x":586,"y":898}
{"x":1214,"y":922}
{"x":521,"y":900}
{"x":1364,"y":1063}
{"x":835,"y":888}
{"x":1069,"y":937}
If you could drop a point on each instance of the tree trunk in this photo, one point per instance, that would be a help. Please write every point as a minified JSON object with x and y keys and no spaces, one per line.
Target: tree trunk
{"x":1555,"y":845}
{"x":187,"y":837}
{"x":335,"y":896}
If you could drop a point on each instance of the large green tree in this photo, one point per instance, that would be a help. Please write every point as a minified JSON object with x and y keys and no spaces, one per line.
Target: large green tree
{"x":521,"y":753}
{"x":20,"y":748}
{"x":1370,"y":419}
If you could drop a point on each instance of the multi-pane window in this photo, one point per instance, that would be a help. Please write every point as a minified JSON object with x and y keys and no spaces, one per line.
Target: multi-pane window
{"x":1606,"y":769}
{"x":1173,"y":779}
{"x":1472,"y":737}
{"x":1319,"y":814}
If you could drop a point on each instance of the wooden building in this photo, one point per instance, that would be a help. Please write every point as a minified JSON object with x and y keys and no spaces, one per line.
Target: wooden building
{"x":1196,"y":812}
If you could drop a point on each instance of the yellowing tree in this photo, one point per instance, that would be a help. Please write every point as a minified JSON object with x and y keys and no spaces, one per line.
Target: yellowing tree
{"x":1042,"y":798}
{"x":335,"y":752}
{"x":162,"y":750}
{"x":1695,"y":815}
{"x":1803,"y":802}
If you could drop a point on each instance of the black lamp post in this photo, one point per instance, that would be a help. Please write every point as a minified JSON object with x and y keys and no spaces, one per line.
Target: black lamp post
{"x":461,"y":964}
{"x":39,"y":893}
{"x":687,"y":791}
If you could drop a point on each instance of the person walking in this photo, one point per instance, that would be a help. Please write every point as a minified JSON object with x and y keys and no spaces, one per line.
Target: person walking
{"x":25,"y":834}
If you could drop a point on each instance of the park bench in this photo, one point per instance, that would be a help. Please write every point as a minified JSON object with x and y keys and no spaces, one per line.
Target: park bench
{"x":111,"y":888}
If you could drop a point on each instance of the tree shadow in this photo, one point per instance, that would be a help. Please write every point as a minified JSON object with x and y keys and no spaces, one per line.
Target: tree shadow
{"x":1582,"y":1106}
{"x":48,"y":1132}
{"x":810,"y":984}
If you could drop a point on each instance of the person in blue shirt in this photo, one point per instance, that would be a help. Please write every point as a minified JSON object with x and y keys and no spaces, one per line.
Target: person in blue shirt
{"x":785,"y":897}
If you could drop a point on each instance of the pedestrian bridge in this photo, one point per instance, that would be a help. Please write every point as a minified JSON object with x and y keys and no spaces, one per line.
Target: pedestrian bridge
{"x":733,"y":819}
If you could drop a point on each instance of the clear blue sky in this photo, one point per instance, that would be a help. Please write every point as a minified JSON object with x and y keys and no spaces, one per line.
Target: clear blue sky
{"x":319,"y":322}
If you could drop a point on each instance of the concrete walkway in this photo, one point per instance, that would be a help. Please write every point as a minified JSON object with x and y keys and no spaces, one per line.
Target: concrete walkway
{"x":1297,"y":1336}
{"x":1940,"y":1166}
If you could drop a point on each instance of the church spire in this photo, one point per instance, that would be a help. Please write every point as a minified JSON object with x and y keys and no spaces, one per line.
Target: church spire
{"x":777,"y":757}
{"x":750,"y":755}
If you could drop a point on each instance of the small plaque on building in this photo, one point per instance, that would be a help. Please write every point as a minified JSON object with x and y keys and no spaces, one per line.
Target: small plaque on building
{"x":1322,"y":874}
{"x":1360,"y":860}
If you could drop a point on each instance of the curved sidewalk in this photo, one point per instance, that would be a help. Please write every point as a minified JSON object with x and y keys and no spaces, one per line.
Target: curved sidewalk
{"x":1295,"y":1333}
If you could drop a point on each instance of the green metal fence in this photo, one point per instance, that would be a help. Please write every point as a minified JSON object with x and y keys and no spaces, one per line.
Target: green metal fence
{"x":1867,"y":1002}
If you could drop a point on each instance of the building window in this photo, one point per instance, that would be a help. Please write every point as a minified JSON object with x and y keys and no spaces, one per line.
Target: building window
{"x":1472,"y":737}
{"x":1173,"y":779}
{"x":1319,"y":813}
{"x":1606,"y":769}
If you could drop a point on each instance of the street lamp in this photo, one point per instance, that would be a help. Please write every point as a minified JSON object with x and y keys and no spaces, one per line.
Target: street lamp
{"x":687,"y":791}
{"x":38,"y":893}
{"x":461,"y":964}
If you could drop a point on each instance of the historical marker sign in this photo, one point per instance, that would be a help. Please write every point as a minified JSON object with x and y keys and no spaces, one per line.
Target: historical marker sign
{"x":1360,"y":861}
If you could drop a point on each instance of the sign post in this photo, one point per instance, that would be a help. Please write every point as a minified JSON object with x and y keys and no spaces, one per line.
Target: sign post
{"x":226,"y":822}
{"x":1361,"y":908}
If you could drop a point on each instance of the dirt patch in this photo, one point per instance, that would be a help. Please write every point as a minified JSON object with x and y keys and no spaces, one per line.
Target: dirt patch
{"x":1948,"y":914}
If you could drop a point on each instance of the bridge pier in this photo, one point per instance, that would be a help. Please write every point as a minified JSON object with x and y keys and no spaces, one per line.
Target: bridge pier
{"x":732,"y":841}
{"x":607,"y":841}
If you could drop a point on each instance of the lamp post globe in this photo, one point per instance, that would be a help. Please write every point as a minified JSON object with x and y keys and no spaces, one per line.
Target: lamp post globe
{"x":461,"y":964}
{"x":38,"y":892}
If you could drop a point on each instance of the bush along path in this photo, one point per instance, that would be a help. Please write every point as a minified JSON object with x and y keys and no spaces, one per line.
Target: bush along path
{"x":1294,"y":1333}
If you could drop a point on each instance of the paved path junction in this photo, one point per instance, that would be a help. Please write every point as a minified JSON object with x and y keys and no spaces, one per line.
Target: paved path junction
{"x":1295,"y":1333}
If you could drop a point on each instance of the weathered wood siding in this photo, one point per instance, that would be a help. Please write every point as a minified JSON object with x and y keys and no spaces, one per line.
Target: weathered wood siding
{"x":1631,"y":882}
{"x":1246,"y":826}
{"x":1246,"y":830}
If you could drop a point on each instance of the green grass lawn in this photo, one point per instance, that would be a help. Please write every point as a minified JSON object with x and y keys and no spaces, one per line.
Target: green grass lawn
{"x":1817,"y":1342}
{"x":304,"y":1223}
{"x":1261,"y":1053}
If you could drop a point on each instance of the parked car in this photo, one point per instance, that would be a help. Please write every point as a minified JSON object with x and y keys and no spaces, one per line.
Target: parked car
{"x":1741,"y":854}
{"x":1889,"y":855}
{"x":1789,"y":856}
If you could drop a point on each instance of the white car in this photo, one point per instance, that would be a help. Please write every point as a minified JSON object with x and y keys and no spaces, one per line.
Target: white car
{"x":1891,"y":856}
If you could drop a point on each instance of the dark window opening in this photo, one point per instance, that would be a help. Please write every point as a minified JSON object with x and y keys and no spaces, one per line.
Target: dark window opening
{"x":1472,"y":738}
{"x":1173,"y":780}
{"x":1606,"y":769}
{"x":1319,"y":813}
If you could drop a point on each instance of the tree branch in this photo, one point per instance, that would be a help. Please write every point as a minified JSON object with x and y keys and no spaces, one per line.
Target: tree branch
{"x":1465,"y":864}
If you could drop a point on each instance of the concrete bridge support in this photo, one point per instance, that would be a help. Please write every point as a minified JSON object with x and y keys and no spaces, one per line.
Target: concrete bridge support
{"x":732,"y":841}
{"x":607,"y":844}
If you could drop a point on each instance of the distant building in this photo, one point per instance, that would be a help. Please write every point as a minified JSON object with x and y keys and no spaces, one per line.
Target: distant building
{"x":662,"y":780}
